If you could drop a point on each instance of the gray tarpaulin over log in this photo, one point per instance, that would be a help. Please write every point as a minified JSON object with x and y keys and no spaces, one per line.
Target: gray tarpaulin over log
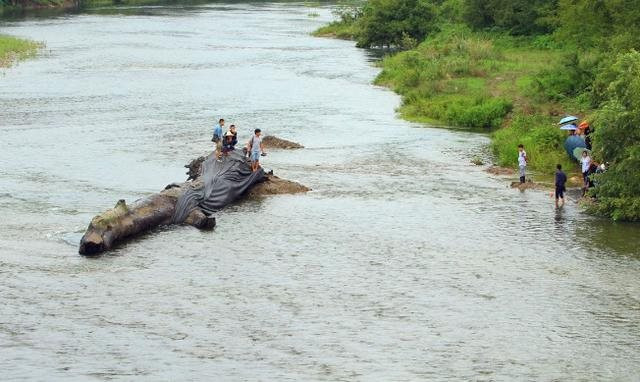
{"x":223,"y":181}
{"x":193,"y":202}
{"x":211,"y":186}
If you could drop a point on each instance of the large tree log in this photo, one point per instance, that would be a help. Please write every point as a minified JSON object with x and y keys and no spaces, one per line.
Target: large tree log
{"x":123,"y":221}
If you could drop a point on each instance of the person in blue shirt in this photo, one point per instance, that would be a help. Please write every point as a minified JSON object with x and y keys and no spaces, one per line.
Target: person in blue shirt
{"x":217,"y":137}
{"x":561,"y":180}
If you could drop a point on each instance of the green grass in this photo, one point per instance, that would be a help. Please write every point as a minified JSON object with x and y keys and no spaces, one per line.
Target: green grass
{"x":484,"y":80}
{"x":490,"y":75}
{"x":338,"y":29}
{"x":13,"y":49}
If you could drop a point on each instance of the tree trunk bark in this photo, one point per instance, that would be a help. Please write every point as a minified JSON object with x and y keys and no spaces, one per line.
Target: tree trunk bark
{"x":124,"y":221}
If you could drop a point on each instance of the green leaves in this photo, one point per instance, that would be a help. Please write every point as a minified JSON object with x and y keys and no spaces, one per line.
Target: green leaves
{"x":617,"y":140}
{"x":395,"y":23}
{"x":518,"y":17}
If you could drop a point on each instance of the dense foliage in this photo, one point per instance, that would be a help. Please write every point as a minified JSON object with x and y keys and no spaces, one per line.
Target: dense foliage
{"x":519,"y":17}
{"x":384,"y":23}
{"x":618,"y":140}
{"x":519,"y":64}
{"x":395,"y":22}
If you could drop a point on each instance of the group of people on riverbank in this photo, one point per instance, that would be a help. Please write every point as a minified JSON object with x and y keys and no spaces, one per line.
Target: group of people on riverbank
{"x":583,"y":131}
{"x":581,"y":153}
{"x":587,"y":167}
{"x":227,"y":141}
{"x":560,"y":176}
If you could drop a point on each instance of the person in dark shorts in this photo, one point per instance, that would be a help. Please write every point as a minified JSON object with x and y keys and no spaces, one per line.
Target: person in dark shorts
{"x":561,"y":180}
{"x":256,"y":149}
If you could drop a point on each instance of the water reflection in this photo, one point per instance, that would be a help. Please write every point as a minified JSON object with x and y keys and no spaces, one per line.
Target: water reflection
{"x":612,"y":238}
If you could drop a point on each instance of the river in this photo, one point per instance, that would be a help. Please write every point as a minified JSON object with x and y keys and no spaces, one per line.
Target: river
{"x":405,"y":263}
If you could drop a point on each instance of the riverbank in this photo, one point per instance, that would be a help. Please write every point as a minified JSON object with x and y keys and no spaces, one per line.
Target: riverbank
{"x":14,"y":49}
{"x":514,"y":70}
{"x":296,"y":295}
{"x":468,"y":79}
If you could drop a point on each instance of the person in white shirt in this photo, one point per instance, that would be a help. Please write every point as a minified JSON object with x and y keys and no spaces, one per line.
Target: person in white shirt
{"x":585,"y":161}
{"x":256,"y":149}
{"x":522,"y":162}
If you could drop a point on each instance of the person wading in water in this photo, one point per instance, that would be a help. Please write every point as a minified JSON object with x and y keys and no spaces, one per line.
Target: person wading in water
{"x":561,"y":180}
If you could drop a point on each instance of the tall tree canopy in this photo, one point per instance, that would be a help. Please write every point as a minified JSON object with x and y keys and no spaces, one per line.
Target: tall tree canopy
{"x":388,"y":22}
{"x":519,"y":17}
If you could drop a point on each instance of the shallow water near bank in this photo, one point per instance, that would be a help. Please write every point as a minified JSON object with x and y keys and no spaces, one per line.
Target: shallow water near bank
{"x":405,"y":263}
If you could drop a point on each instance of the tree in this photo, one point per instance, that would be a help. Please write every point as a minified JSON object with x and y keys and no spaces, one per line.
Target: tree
{"x":392,"y":22}
{"x":617,"y":141}
{"x":604,"y":24}
{"x":519,"y":17}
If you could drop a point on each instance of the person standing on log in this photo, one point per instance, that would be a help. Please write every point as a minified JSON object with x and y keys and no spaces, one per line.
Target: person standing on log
{"x":230,"y":140}
{"x":256,"y":149}
{"x":233,"y":131}
{"x":228,"y":144}
{"x":217,"y":137}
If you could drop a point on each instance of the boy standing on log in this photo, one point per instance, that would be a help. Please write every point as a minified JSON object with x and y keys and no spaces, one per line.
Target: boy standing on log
{"x":217,"y":137}
{"x":229,"y":143}
{"x":256,"y":149}
{"x":233,"y":131}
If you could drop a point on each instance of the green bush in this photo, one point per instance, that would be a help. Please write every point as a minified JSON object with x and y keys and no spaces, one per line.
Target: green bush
{"x":392,"y":23}
{"x":482,"y":112}
{"x":519,"y":17}
{"x":617,"y":141}
{"x":572,"y":76}
{"x":610,"y":25}
{"x":441,"y":80}
{"x":346,"y":27}
{"x":460,"y":110}
{"x":450,"y":12}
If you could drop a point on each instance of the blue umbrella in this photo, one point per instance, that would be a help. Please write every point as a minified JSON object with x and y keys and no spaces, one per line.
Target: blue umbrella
{"x":572,"y":142}
{"x":569,"y":127}
{"x":567,"y":119}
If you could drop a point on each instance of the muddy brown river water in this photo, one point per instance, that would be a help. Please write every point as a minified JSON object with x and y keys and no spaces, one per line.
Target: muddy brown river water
{"x":406,"y":262}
